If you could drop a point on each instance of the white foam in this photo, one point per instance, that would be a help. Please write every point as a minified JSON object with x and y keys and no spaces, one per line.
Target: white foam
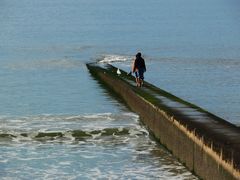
{"x":97,"y":115}
{"x":120,"y":129}
{"x":88,"y":156}
{"x":94,"y":136}
{"x":26,"y":128}
{"x":114,"y":58}
{"x":134,"y":132}
{"x":4,"y":161}
{"x":65,"y":163}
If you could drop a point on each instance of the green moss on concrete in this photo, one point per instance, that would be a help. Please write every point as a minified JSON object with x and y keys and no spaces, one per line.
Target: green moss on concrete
{"x":155,"y":89}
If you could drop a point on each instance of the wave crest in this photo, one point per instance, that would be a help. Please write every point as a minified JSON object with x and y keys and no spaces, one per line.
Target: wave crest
{"x":73,"y":127}
{"x":73,"y":134}
{"x":110,"y":58}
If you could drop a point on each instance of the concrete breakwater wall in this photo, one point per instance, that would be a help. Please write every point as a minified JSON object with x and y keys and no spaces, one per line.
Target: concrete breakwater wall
{"x":208,"y":145}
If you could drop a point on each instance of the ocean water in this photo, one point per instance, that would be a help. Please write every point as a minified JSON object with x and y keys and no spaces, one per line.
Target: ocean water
{"x":57,"y":122}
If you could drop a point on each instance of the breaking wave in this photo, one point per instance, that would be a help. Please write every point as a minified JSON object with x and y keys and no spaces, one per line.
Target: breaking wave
{"x":69,"y":127}
{"x":111,"y":58}
{"x":72,"y":134}
{"x":83,"y":147}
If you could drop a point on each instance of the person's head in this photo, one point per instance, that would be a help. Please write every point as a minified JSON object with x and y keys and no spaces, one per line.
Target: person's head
{"x":138,"y":55}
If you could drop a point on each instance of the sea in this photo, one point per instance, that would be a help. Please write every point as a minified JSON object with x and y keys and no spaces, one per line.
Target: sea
{"x":58,"y":122}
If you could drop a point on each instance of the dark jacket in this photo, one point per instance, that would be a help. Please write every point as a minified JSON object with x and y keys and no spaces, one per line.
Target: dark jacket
{"x":139,"y":64}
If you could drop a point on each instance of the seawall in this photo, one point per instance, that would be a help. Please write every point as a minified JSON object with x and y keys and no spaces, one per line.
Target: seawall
{"x":206,"y":144}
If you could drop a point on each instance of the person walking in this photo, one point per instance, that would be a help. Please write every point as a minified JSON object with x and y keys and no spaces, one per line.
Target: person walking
{"x":139,"y":68}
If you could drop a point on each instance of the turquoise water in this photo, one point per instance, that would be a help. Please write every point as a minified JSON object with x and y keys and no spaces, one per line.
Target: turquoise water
{"x":56,"y":121}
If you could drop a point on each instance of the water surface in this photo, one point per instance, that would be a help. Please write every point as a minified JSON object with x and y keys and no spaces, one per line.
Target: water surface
{"x":56,"y":121}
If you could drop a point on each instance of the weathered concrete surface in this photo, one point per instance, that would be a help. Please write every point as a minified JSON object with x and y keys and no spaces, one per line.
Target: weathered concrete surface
{"x":208,"y":145}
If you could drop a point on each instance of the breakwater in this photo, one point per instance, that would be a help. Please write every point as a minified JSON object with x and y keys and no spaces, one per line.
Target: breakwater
{"x":208,"y":145}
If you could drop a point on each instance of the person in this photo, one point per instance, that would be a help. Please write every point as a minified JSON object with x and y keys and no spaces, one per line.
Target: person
{"x":139,"y":67}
